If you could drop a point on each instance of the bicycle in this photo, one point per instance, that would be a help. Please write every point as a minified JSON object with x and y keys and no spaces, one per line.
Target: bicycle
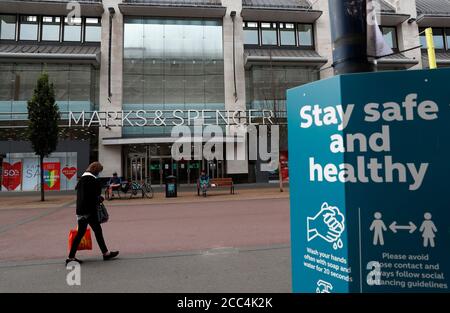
{"x":145,"y":189}
{"x":133,"y":188}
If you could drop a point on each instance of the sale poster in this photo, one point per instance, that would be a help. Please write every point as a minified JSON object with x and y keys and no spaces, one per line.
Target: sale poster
{"x":52,"y":179}
{"x":31,"y":174}
{"x":284,"y":166}
{"x":12,"y":175}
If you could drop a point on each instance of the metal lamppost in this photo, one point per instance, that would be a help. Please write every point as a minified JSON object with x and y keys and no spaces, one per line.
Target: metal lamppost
{"x":349,"y":36}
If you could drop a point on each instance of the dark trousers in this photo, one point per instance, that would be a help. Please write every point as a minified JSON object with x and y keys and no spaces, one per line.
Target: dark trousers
{"x":82,"y":226}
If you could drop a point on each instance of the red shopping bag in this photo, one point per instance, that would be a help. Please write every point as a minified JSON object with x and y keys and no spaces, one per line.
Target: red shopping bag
{"x":85,"y":243}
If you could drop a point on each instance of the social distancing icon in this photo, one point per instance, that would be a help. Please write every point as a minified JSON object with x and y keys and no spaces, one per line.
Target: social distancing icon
{"x":427,"y":228}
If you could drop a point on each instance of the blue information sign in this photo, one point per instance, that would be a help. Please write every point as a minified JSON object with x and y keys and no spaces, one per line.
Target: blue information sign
{"x":370,"y":182}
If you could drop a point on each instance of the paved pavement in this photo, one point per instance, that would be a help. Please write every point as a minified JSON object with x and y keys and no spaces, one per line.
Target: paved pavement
{"x":188,"y":244}
{"x":257,"y":270}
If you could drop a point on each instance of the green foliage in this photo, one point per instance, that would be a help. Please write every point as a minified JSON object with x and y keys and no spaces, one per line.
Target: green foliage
{"x":43,"y":115}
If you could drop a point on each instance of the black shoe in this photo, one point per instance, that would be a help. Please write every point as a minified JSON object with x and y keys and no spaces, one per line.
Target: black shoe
{"x":111,"y":255}
{"x":73,"y":260}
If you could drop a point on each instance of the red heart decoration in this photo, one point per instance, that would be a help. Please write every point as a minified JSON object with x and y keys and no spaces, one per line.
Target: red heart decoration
{"x":69,"y":172}
{"x":12,"y":175}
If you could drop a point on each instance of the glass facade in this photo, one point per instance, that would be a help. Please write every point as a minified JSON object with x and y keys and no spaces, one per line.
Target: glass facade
{"x":172,"y":64}
{"x":305,"y":35}
{"x":93,"y":30}
{"x":266,"y":86}
{"x":76,"y":87}
{"x":8,"y":27}
{"x":438,"y":38}
{"x":29,"y":27}
{"x":72,"y":29}
{"x":287,"y":34}
{"x":251,"y":33}
{"x":390,"y":36}
{"x":51,"y":28}
{"x":279,"y":34}
{"x":269,"y":34}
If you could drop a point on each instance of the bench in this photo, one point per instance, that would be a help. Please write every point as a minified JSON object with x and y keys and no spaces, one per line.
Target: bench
{"x":218,"y":183}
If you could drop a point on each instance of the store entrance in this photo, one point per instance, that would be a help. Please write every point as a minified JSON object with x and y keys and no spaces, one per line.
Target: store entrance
{"x":153,"y":163}
{"x":137,"y":170}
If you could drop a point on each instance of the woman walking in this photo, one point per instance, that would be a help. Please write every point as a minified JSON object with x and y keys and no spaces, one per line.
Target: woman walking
{"x":89,"y":192}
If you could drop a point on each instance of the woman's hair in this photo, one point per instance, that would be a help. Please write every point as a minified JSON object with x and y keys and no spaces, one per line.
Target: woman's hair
{"x":95,"y":168}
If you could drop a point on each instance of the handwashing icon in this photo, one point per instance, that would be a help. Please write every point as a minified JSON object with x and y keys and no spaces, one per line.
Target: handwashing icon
{"x":328,"y":224}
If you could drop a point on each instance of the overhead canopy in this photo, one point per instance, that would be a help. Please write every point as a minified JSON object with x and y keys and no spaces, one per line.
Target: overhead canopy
{"x":173,"y":8}
{"x":396,"y":61}
{"x":442,"y":58}
{"x":50,"y":53}
{"x":389,"y":15}
{"x":93,"y":8}
{"x":279,"y":10}
{"x":433,"y":13}
{"x":393,"y":19}
{"x":283,"y":57}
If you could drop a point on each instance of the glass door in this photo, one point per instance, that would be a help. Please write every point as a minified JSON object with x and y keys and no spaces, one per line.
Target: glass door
{"x":137,"y":170}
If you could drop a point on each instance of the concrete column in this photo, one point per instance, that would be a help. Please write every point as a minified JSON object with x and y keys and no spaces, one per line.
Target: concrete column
{"x":323,"y":37}
{"x":408,"y":34}
{"x":111,"y":156}
{"x":231,"y":102}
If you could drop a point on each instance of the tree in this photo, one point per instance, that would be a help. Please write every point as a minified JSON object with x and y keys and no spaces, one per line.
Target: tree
{"x":43,"y":118}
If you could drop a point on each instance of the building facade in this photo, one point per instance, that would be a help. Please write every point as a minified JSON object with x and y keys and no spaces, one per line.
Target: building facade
{"x":200,"y":55}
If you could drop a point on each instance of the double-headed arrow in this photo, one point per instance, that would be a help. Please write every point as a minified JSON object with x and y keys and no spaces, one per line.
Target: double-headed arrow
{"x":411,"y":227}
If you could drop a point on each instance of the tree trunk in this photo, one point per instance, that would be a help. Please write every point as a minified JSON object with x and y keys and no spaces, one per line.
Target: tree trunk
{"x":41,"y":159}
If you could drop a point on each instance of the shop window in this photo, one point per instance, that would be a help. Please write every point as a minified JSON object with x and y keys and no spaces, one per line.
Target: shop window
{"x":8,"y":27}
{"x":390,"y":36}
{"x":305,"y":35}
{"x":93,"y":30}
{"x":51,"y":28}
{"x":251,"y":33}
{"x":269,"y":34}
{"x":28,"y":27}
{"x":287,"y":34}
{"x":72,"y":29}
{"x":438,"y":38}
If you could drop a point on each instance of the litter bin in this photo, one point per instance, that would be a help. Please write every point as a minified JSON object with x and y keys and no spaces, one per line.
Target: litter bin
{"x":171,"y":187}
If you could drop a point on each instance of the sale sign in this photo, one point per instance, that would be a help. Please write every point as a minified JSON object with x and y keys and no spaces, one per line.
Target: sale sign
{"x":284,"y":168}
{"x":52,"y":179}
{"x":11,"y":175}
{"x":69,"y":172}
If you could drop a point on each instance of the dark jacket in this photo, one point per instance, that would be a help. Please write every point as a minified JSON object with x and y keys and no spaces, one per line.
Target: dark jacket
{"x":89,"y":190}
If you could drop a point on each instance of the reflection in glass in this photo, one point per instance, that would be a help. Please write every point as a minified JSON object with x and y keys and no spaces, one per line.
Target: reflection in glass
{"x":8,"y":27}
{"x":172,"y":64}
{"x":28,"y":27}
{"x":269,"y":34}
{"x":305,"y":35}
{"x":76,"y":86}
{"x":251,"y":37}
{"x":50,"y":28}
{"x":287,"y":34}
{"x":438,"y":38}
{"x":251,"y":33}
{"x":93,"y":30}
{"x":72,"y":29}
{"x":390,"y":36}
{"x":423,"y":38}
